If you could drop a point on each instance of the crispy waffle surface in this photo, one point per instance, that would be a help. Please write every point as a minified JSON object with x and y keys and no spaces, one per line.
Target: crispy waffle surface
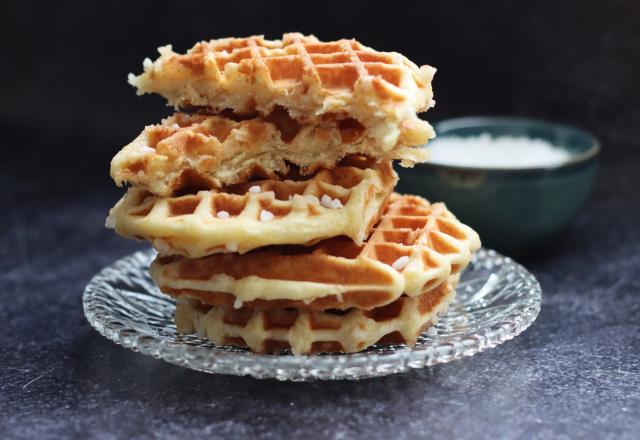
{"x":345,"y":201}
{"x":416,"y":247}
{"x":213,"y":151}
{"x":309,"y":332}
{"x":313,"y":80}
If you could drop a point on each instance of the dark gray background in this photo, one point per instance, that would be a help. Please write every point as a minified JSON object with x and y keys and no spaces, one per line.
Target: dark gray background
{"x":66,"y":109}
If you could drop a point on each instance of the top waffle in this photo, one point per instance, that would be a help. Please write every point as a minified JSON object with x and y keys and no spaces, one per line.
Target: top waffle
{"x":415,"y":247}
{"x":314,"y":81}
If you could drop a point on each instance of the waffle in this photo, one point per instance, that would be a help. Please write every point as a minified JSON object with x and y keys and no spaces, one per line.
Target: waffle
{"x":314,"y":81}
{"x":415,"y":247}
{"x":213,"y":151}
{"x":346,"y":200}
{"x":307,"y":332}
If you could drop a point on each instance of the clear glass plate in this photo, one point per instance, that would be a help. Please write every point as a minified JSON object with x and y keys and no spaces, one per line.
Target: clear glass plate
{"x":496,"y":300}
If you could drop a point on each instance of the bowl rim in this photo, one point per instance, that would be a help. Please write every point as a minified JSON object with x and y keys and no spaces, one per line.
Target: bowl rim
{"x":467,"y":121}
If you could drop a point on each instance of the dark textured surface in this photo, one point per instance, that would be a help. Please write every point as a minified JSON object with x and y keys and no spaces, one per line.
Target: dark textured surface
{"x":66,"y":108}
{"x":574,"y":373}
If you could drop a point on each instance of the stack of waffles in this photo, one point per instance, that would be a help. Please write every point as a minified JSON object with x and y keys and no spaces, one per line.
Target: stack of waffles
{"x":269,"y":195}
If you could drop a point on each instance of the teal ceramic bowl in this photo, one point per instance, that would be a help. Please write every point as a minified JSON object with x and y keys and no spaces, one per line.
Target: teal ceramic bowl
{"x":518,"y":210}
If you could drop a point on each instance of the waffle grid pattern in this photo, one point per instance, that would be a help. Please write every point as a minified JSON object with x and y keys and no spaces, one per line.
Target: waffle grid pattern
{"x":304,"y":332}
{"x":300,"y":59}
{"x":257,"y":214}
{"x":336,"y":273}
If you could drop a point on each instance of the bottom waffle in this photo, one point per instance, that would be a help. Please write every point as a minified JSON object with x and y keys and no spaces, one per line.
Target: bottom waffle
{"x":309,"y":332}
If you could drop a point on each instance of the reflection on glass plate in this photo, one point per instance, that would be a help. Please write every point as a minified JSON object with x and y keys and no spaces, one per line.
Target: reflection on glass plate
{"x":496,"y":300}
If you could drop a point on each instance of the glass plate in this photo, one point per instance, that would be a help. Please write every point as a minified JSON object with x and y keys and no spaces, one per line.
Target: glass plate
{"x":496,"y":300}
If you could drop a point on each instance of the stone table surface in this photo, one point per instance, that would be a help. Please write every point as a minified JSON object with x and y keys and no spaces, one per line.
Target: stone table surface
{"x":574,"y":374}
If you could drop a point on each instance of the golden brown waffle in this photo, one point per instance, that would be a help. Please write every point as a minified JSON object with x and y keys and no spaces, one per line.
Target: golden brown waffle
{"x":346,"y":200}
{"x":415,"y":247}
{"x":314,"y":81}
{"x":308,"y":332}
{"x":212,"y":151}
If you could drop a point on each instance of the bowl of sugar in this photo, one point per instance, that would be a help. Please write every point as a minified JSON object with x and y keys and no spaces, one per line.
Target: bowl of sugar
{"x":517,"y":181}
